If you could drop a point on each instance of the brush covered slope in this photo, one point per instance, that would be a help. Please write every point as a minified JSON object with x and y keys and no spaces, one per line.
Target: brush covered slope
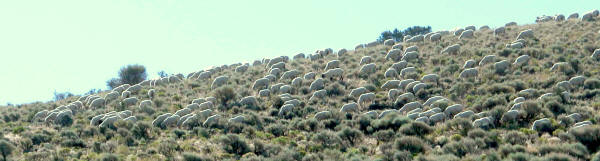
{"x":515,"y":92}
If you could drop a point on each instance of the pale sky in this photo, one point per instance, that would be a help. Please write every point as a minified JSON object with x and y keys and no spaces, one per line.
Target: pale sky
{"x":75,"y":45}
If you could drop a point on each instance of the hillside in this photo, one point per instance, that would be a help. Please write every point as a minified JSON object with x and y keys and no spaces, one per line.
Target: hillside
{"x":475,"y":94}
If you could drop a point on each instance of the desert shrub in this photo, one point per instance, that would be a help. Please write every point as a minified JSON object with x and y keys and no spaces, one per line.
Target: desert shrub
{"x":39,"y":138}
{"x":335,"y":90}
{"x":276,"y":129}
{"x":415,"y":128}
{"x":392,"y":121}
{"x":168,"y":147}
{"x":179,"y":133}
{"x":500,"y":88}
{"x":558,"y":157}
{"x":141,"y":130}
{"x":6,"y":149}
{"x":507,"y":149}
{"x":67,"y":120}
{"x":410,"y":143}
{"x":327,"y":138}
{"x":489,"y":103}
{"x":350,"y":135}
{"x":591,"y":83}
{"x":384,"y":135}
{"x":588,"y":136}
{"x":520,"y":156}
{"x":555,"y":107}
{"x":477,"y":133}
{"x":187,"y":156}
{"x":224,"y":94}
{"x":130,"y":74}
{"x":460,"y":148}
{"x":515,"y":137}
{"x":462,"y":125}
{"x":233,"y":144}
{"x":108,"y":157}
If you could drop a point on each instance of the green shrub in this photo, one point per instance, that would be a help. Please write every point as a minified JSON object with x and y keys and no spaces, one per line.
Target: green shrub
{"x":410,"y":143}
{"x":416,"y":128}
{"x":187,"y":156}
{"x":588,"y":136}
{"x":591,"y":83}
{"x":328,"y":139}
{"x":224,"y":94}
{"x":521,"y":156}
{"x":460,"y":148}
{"x":233,"y":144}
{"x":276,"y":129}
{"x":6,"y":149}
{"x":141,"y":130}
{"x":350,"y":135}
{"x":515,"y":137}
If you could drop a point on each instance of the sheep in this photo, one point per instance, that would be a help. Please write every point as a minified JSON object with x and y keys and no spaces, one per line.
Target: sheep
{"x":393,"y":93}
{"x":399,"y":65}
{"x":332,"y":64}
{"x":211,"y":120}
{"x":109,"y":121}
{"x":575,"y":117}
{"x":40,"y":114}
{"x":405,"y":98}
{"x":239,"y":119}
{"x":418,"y":38}
{"x":510,"y":24}
{"x":404,"y":83}
{"x":341,"y":52}
{"x":563,"y":85}
{"x":559,"y":17}
{"x":394,"y":55}
{"x":470,"y":72}
{"x":430,"y":78}
{"x":317,"y":84}
{"x":596,"y":54}
{"x":458,"y":31}
{"x":264,"y":93}
{"x":435,"y":37}
{"x":349,"y":107}
{"x":464,"y":114}
{"x":130,"y":119}
{"x":275,"y":71}
{"x":97,"y":103}
{"x":430,"y":112}
{"x":289,"y":74}
{"x":261,"y":83}
{"x":372,"y":114}
{"x":452,"y":49}
{"x":483,"y":123}
{"x":129,"y":101}
{"x":418,"y":87}
{"x":521,"y":60}
{"x":541,"y":124}
{"x":484,"y":27}
{"x":515,"y":45}
{"x":438,"y":117}
{"x":573,"y":16}
{"x":275,"y":88}
{"x":423,"y":119}
{"x":498,"y":31}
{"x":333,"y":73}
{"x":389,"y":42}
{"x":408,"y":56}
{"x":184,"y":118}
{"x":372,"y":44}
{"x":297,"y":82}
{"x":193,"y":106}
{"x":160,"y":118}
{"x":111,"y":96}
{"x":467,"y":34}
{"x":387,"y":112}
{"x":390,"y":84}
{"x":310,"y":75}
{"x":366,"y":60}
{"x":411,"y":49}
{"x":358,"y":91}
{"x":501,"y":66}
{"x":359,"y":46}
{"x":367,"y":97}
{"x":207,"y":105}
{"x":173,"y":79}
{"x":280,"y":65}
{"x":410,"y":106}
{"x":453,"y":109}
{"x":398,"y":46}
{"x":410,"y":86}
{"x":198,"y":101}
{"x":256,"y":63}
{"x":577,"y":81}
{"x":183,"y":112}
{"x":404,"y":72}
{"x":509,"y":116}
{"x":275,"y":61}
{"x":285,"y":109}
{"x":525,"y":34}
{"x":487,"y":59}
{"x":241,"y":69}
{"x":249,"y":101}
{"x":519,"y":99}
{"x":545,"y":95}
{"x":314,"y":57}
{"x":119,"y":89}
{"x":125,"y":94}
{"x":589,"y":16}
{"x":469,"y":64}
{"x":270,"y":77}
{"x":391,"y":73}
{"x":320,"y":94}
{"x":299,"y":56}
{"x":204,"y":75}
{"x":219,"y":81}
{"x":433,"y":99}
{"x":295,"y":102}
{"x":367,"y":69}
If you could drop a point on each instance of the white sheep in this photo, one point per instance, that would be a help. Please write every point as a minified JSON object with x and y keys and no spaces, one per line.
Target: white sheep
{"x":394,"y":54}
{"x":358,"y":91}
{"x":317,"y":84}
{"x":349,"y":107}
{"x":367,"y":97}
{"x":219,"y":81}
{"x":333,"y":73}
{"x":367,"y":69}
{"x":332,"y":64}
{"x":366,"y":60}
{"x":408,"y":56}
{"x":390,"y":84}
{"x":391,"y":73}
{"x":467,"y":34}
{"x":469,"y":72}
{"x":290,"y":74}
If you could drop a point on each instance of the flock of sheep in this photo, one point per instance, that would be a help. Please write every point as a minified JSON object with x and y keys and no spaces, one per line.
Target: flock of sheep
{"x":203,"y":109}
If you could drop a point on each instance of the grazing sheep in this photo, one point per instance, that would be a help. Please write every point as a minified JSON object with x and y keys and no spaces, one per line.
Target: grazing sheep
{"x":435,"y":37}
{"x":525,"y":34}
{"x":310,"y":75}
{"x":183,"y":112}
{"x":359,"y":46}
{"x":515,"y":45}
{"x":317,"y":84}
{"x":198,"y":101}
{"x":125,"y":94}
{"x":249,"y":101}
{"x":109,"y":121}
{"x":393,"y":93}
{"x":389,"y":42}
{"x":405,"y":83}
{"x":111,"y":96}
{"x":573,"y":16}
{"x":285,"y":109}
{"x":467,"y":34}
{"x":541,"y":124}
{"x":320,"y":94}
{"x":399,"y":65}
{"x":464,"y":114}
{"x":366,"y":60}
{"x":367,"y":97}
{"x":454,"y":109}
{"x":332,"y":64}
{"x":264,"y":93}
{"x":323,"y":115}
{"x":129,"y":101}
{"x":193,"y":106}
{"x":290,"y":74}
{"x":408,"y":56}
{"x":411,"y":49}
{"x":519,"y":99}
{"x":483,"y":123}
{"x":510,"y":24}
{"x":367,"y":69}
{"x":275,"y":61}
{"x":256,"y":63}
{"x":589,"y":16}
{"x":521,"y":60}
{"x":390,"y":84}
{"x":418,"y":38}
{"x":275,"y":88}
{"x":410,"y":106}
{"x":160,"y":118}
{"x":211,"y":120}
{"x":261,"y":83}
{"x":387,"y":112}
{"x":405,"y":97}
{"x":510,"y":116}
{"x":423,"y":119}
{"x":433,"y":99}
{"x":452,"y":49}
{"x":484,"y":27}
{"x":418,"y":86}
{"x":349,"y":107}
{"x":219,"y":81}
{"x":239,"y":119}
{"x":559,"y":17}
{"x":40,"y":115}
{"x":275,"y":71}
{"x":577,"y":81}
{"x":333,"y":73}
{"x":394,"y":54}
{"x":438,"y":117}
{"x":499,"y":30}
{"x":207,"y":105}
{"x":241,"y":69}
{"x":204,"y":75}
{"x":358,"y":91}
{"x":430,"y":78}
{"x":398,"y":46}
{"x":299,"y":56}
{"x":458,"y":31}
{"x":145,"y":104}
{"x":98,"y":103}
{"x":297,"y":82}
{"x":280,"y":65}
{"x":487,"y":59}
{"x":564,"y":85}
{"x":596,"y":54}
{"x":372,"y":44}
{"x":404,"y":72}
{"x":501,"y":66}
{"x":470,"y":72}
{"x":372,"y":114}
{"x":575,"y":117}
{"x":431,"y":112}
{"x":391,"y":73}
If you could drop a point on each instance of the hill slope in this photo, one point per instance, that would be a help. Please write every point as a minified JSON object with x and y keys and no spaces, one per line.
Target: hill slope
{"x":531,"y":101}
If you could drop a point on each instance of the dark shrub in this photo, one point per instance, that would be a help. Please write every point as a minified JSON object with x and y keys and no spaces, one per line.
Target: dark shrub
{"x":277,"y":129}
{"x":416,"y":128}
{"x":224,"y":94}
{"x":460,"y":148}
{"x":187,"y":156}
{"x":515,"y":137}
{"x":328,"y":139}
{"x":141,"y":130}
{"x":588,"y":136}
{"x":234,"y":144}
{"x":591,"y":83}
{"x":410,"y":143}
{"x":350,"y":135}
{"x":108,"y":157}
